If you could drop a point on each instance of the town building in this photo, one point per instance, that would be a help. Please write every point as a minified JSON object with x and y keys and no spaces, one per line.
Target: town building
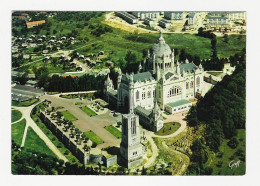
{"x":232,"y":15}
{"x":161,"y":82}
{"x":150,"y":22}
{"x":34,"y":23}
{"x":174,"y":15}
{"x":217,"y":21}
{"x":127,"y":17}
{"x":165,"y":24}
{"x":192,"y":18}
{"x":143,"y":15}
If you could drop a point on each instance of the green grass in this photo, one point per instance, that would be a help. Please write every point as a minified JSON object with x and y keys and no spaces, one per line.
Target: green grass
{"x":69,"y":116}
{"x":24,"y":103}
{"x":51,"y":93}
{"x":215,"y":73}
{"x":117,"y":43}
{"x":35,"y":143}
{"x":17,"y":131}
{"x":88,"y":111}
{"x":59,"y":107}
{"x":93,"y":137}
{"x":113,"y":130}
{"x":168,"y":128}
{"x":227,"y":157}
{"x":16,"y":115}
{"x":78,"y":103}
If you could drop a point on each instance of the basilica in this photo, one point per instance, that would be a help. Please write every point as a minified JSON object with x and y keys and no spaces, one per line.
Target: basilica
{"x":161,"y":84}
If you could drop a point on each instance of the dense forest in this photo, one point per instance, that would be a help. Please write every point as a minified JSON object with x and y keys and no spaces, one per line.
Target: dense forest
{"x":223,"y":112}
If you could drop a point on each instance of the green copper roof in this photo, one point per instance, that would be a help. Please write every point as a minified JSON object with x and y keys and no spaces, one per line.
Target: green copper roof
{"x":187,"y":66}
{"x":143,"y":111}
{"x":113,"y":92}
{"x":168,"y":75}
{"x":142,"y":76}
{"x":178,"y":103}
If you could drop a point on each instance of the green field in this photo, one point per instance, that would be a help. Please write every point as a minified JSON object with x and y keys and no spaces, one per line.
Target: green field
{"x":24,"y":103}
{"x":16,"y":115}
{"x":69,"y":116}
{"x":35,"y":143}
{"x":59,"y":107}
{"x":168,"y":128}
{"x":229,"y":154}
{"x":17,"y":131}
{"x":88,"y":111}
{"x":113,"y":130}
{"x":51,"y":93}
{"x":93,"y":137}
{"x":117,"y":43}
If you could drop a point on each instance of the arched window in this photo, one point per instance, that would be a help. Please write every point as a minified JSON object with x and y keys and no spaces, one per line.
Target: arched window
{"x":198,"y":81}
{"x":137,"y":95}
{"x":174,"y":91}
{"x":149,"y":94}
{"x":191,"y":84}
{"x":187,"y":85}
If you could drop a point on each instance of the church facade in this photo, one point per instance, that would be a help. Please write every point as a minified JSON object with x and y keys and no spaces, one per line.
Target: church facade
{"x":160,"y":84}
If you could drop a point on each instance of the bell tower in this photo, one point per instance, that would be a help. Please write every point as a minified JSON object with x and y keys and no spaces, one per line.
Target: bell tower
{"x":130,"y":146}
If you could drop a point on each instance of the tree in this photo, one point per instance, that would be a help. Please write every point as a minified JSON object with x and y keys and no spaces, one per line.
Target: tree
{"x":226,"y":39}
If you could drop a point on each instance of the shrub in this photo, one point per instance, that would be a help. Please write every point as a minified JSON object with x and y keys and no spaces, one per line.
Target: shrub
{"x":233,"y":142}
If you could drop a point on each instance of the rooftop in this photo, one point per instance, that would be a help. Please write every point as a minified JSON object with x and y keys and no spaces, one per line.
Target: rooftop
{"x":143,"y":111}
{"x":187,"y":67}
{"x":142,"y":76}
{"x":178,"y":103}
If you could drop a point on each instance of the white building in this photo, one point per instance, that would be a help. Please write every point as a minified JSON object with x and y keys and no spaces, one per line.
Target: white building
{"x":143,"y":15}
{"x":160,"y":84}
{"x":192,"y":18}
{"x":174,"y":15}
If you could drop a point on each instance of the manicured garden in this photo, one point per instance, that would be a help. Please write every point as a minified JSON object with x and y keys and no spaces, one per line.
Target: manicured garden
{"x":88,"y":111}
{"x":69,"y":116}
{"x":24,"y":103}
{"x":35,"y":143}
{"x":113,"y":130}
{"x":16,"y":115}
{"x":17,"y":131}
{"x":168,"y":128}
{"x":93,"y":137}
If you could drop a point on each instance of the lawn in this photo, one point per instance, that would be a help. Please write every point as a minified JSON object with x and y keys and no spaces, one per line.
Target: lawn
{"x":88,"y":111}
{"x":93,"y":137}
{"x":78,"y":103}
{"x":52,"y":93}
{"x":35,"y":143}
{"x":16,"y":115}
{"x":168,"y":128}
{"x":69,"y":116}
{"x":113,"y":130}
{"x":59,"y":107}
{"x":17,"y":131}
{"x":24,"y":103}
{"x":220,"y":164}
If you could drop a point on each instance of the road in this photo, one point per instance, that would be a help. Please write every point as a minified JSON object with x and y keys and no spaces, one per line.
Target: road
{"x":26,"y":113}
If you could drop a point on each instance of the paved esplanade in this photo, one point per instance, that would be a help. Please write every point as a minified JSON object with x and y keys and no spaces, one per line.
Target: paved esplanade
{"x":85,"y":122}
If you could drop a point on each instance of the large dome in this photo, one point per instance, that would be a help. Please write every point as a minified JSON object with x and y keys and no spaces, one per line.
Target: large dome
{"x":161,"y":48}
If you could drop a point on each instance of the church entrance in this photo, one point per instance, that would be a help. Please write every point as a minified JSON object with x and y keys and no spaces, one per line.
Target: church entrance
{"x":126,"y":104}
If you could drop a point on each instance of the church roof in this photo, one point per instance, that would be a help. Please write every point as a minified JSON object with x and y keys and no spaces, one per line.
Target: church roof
{"x":142,"y":76}
{"x":112,"y":92}
{"x":168,"y":75}
{"x":143,"y":111}
{"x":161,"y":48}
{"x":187,"y":67}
